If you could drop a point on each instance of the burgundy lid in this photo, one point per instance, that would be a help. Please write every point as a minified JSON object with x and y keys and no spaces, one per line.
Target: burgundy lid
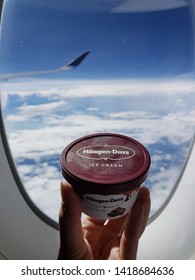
{"x":105,"y":163}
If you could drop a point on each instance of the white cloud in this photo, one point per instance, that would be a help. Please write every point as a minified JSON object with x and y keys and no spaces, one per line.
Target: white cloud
{"x":56,"y":133}
{"x":42,"y":108}
{"x":92,"y":109}
{"x":91,"y":88}
{"x":164,"y":183}
{"x":27,"y":112}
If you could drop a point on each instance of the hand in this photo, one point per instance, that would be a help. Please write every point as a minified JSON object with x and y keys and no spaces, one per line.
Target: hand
{"x":115,"y":239}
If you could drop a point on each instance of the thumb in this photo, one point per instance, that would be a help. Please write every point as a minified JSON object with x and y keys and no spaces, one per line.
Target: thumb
{"x":72,"y":245}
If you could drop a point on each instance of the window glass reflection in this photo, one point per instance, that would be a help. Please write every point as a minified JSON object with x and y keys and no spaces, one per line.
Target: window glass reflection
{"x":137,"y":80}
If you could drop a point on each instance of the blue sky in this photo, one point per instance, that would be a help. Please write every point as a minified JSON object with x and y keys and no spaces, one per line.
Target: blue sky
{"x":122,"y":45}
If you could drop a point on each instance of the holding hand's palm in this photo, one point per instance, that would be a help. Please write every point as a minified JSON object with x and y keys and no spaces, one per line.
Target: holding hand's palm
{"x":97,"y":239}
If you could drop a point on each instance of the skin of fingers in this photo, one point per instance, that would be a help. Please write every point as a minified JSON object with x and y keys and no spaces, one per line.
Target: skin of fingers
{"x":103,"y":235}
{"x":72,"y":244}
{"x":135,"y":225}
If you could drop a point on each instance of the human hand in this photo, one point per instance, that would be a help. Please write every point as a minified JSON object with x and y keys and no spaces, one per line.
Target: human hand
{"x":90,"y":239}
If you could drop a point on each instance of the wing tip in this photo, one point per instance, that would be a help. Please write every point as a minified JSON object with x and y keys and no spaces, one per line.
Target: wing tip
{"x":78,"y":60}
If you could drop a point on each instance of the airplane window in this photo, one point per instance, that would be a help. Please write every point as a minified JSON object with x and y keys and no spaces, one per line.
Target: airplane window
{"x":136,"y":78}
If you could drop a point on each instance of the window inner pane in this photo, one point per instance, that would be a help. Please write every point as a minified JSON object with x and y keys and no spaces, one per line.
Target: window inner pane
{"x":137,"y":80}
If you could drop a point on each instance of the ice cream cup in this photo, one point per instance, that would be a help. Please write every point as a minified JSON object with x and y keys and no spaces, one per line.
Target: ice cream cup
{"x":106,"y":170}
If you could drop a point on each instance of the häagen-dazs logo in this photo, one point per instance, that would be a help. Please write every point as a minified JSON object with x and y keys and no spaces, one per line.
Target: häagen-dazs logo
{"x":111,"y":152}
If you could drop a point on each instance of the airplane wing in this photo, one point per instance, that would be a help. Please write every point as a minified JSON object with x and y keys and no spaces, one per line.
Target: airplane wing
{"x":76,"y":62}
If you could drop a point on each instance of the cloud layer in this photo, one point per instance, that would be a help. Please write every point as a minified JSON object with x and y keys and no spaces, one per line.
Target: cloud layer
{"x":42,"y":117}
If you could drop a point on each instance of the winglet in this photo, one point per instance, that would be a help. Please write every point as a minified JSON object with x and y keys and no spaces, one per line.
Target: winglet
{"x":78,"y":60}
